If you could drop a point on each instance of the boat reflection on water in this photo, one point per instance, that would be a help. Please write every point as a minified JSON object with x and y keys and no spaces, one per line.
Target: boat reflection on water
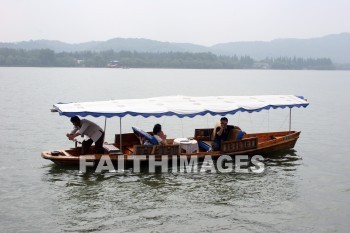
{"x":108,"y":201}
{"x":287,"y":158}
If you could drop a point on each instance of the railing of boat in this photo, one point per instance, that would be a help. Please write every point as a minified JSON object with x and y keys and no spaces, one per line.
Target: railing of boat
{"x":239,"y":145}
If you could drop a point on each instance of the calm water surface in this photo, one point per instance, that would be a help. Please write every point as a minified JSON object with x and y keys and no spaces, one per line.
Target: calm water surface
{"x":306,"y":190}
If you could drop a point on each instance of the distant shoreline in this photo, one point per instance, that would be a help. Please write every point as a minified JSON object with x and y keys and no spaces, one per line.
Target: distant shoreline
{"x":51,"y":67}
{"x":166,"y":60}
{"x":333,"y":46}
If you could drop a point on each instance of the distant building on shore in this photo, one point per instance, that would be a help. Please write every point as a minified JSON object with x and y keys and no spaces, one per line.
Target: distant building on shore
{"x":261,"y":65}
{"x":114,"y":64}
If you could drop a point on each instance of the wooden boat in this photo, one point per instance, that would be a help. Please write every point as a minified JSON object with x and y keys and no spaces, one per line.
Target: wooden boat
{"x":181,"y":106}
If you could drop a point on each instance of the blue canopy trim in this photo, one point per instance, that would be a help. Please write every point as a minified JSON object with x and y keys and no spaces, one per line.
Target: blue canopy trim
{"x":109,"y":115}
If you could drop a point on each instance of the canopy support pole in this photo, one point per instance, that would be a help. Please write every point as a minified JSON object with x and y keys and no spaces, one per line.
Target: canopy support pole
{"x":120,"y":133}
{"x":290,"y":119}
{"x":104,"y":130}
{"x":268,"y":120}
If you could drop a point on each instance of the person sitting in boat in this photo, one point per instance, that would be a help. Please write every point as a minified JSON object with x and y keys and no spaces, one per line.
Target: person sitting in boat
{"x":222,"y":133}
{"x":93,"y":131}
{"x":159,"y":135}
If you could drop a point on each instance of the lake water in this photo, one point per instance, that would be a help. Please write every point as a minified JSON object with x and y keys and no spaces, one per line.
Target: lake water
{"x":307,"y":190}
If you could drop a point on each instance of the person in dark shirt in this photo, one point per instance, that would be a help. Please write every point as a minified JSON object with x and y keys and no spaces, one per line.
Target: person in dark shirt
{"x":222,"y":133}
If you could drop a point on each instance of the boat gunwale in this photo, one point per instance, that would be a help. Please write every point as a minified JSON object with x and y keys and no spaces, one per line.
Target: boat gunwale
{"x":292,"y":137}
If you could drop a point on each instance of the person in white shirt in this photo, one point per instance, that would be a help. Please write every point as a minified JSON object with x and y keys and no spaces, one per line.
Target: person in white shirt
{"x":93,"y":131}
{"x":159,"y":135}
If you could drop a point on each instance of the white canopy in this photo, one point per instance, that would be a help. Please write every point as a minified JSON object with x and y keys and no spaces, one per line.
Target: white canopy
{"x":181,"y":106}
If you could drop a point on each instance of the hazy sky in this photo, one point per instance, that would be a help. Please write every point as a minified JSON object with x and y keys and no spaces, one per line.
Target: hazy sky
{"x":204,"y":22}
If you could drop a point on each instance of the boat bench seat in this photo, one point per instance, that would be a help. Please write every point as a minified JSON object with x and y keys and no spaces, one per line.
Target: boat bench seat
{"x":203,"y":134}
{"x":110,"y":148}
{"x":156,"y":149}
{"x":239,"y":145}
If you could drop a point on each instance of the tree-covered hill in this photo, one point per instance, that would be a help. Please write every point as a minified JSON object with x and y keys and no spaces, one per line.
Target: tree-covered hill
{"x":335,"y":47}
{"x":207,"y":60}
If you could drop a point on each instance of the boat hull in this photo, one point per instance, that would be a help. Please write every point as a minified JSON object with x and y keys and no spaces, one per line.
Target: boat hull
{"x":267,"y":144}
